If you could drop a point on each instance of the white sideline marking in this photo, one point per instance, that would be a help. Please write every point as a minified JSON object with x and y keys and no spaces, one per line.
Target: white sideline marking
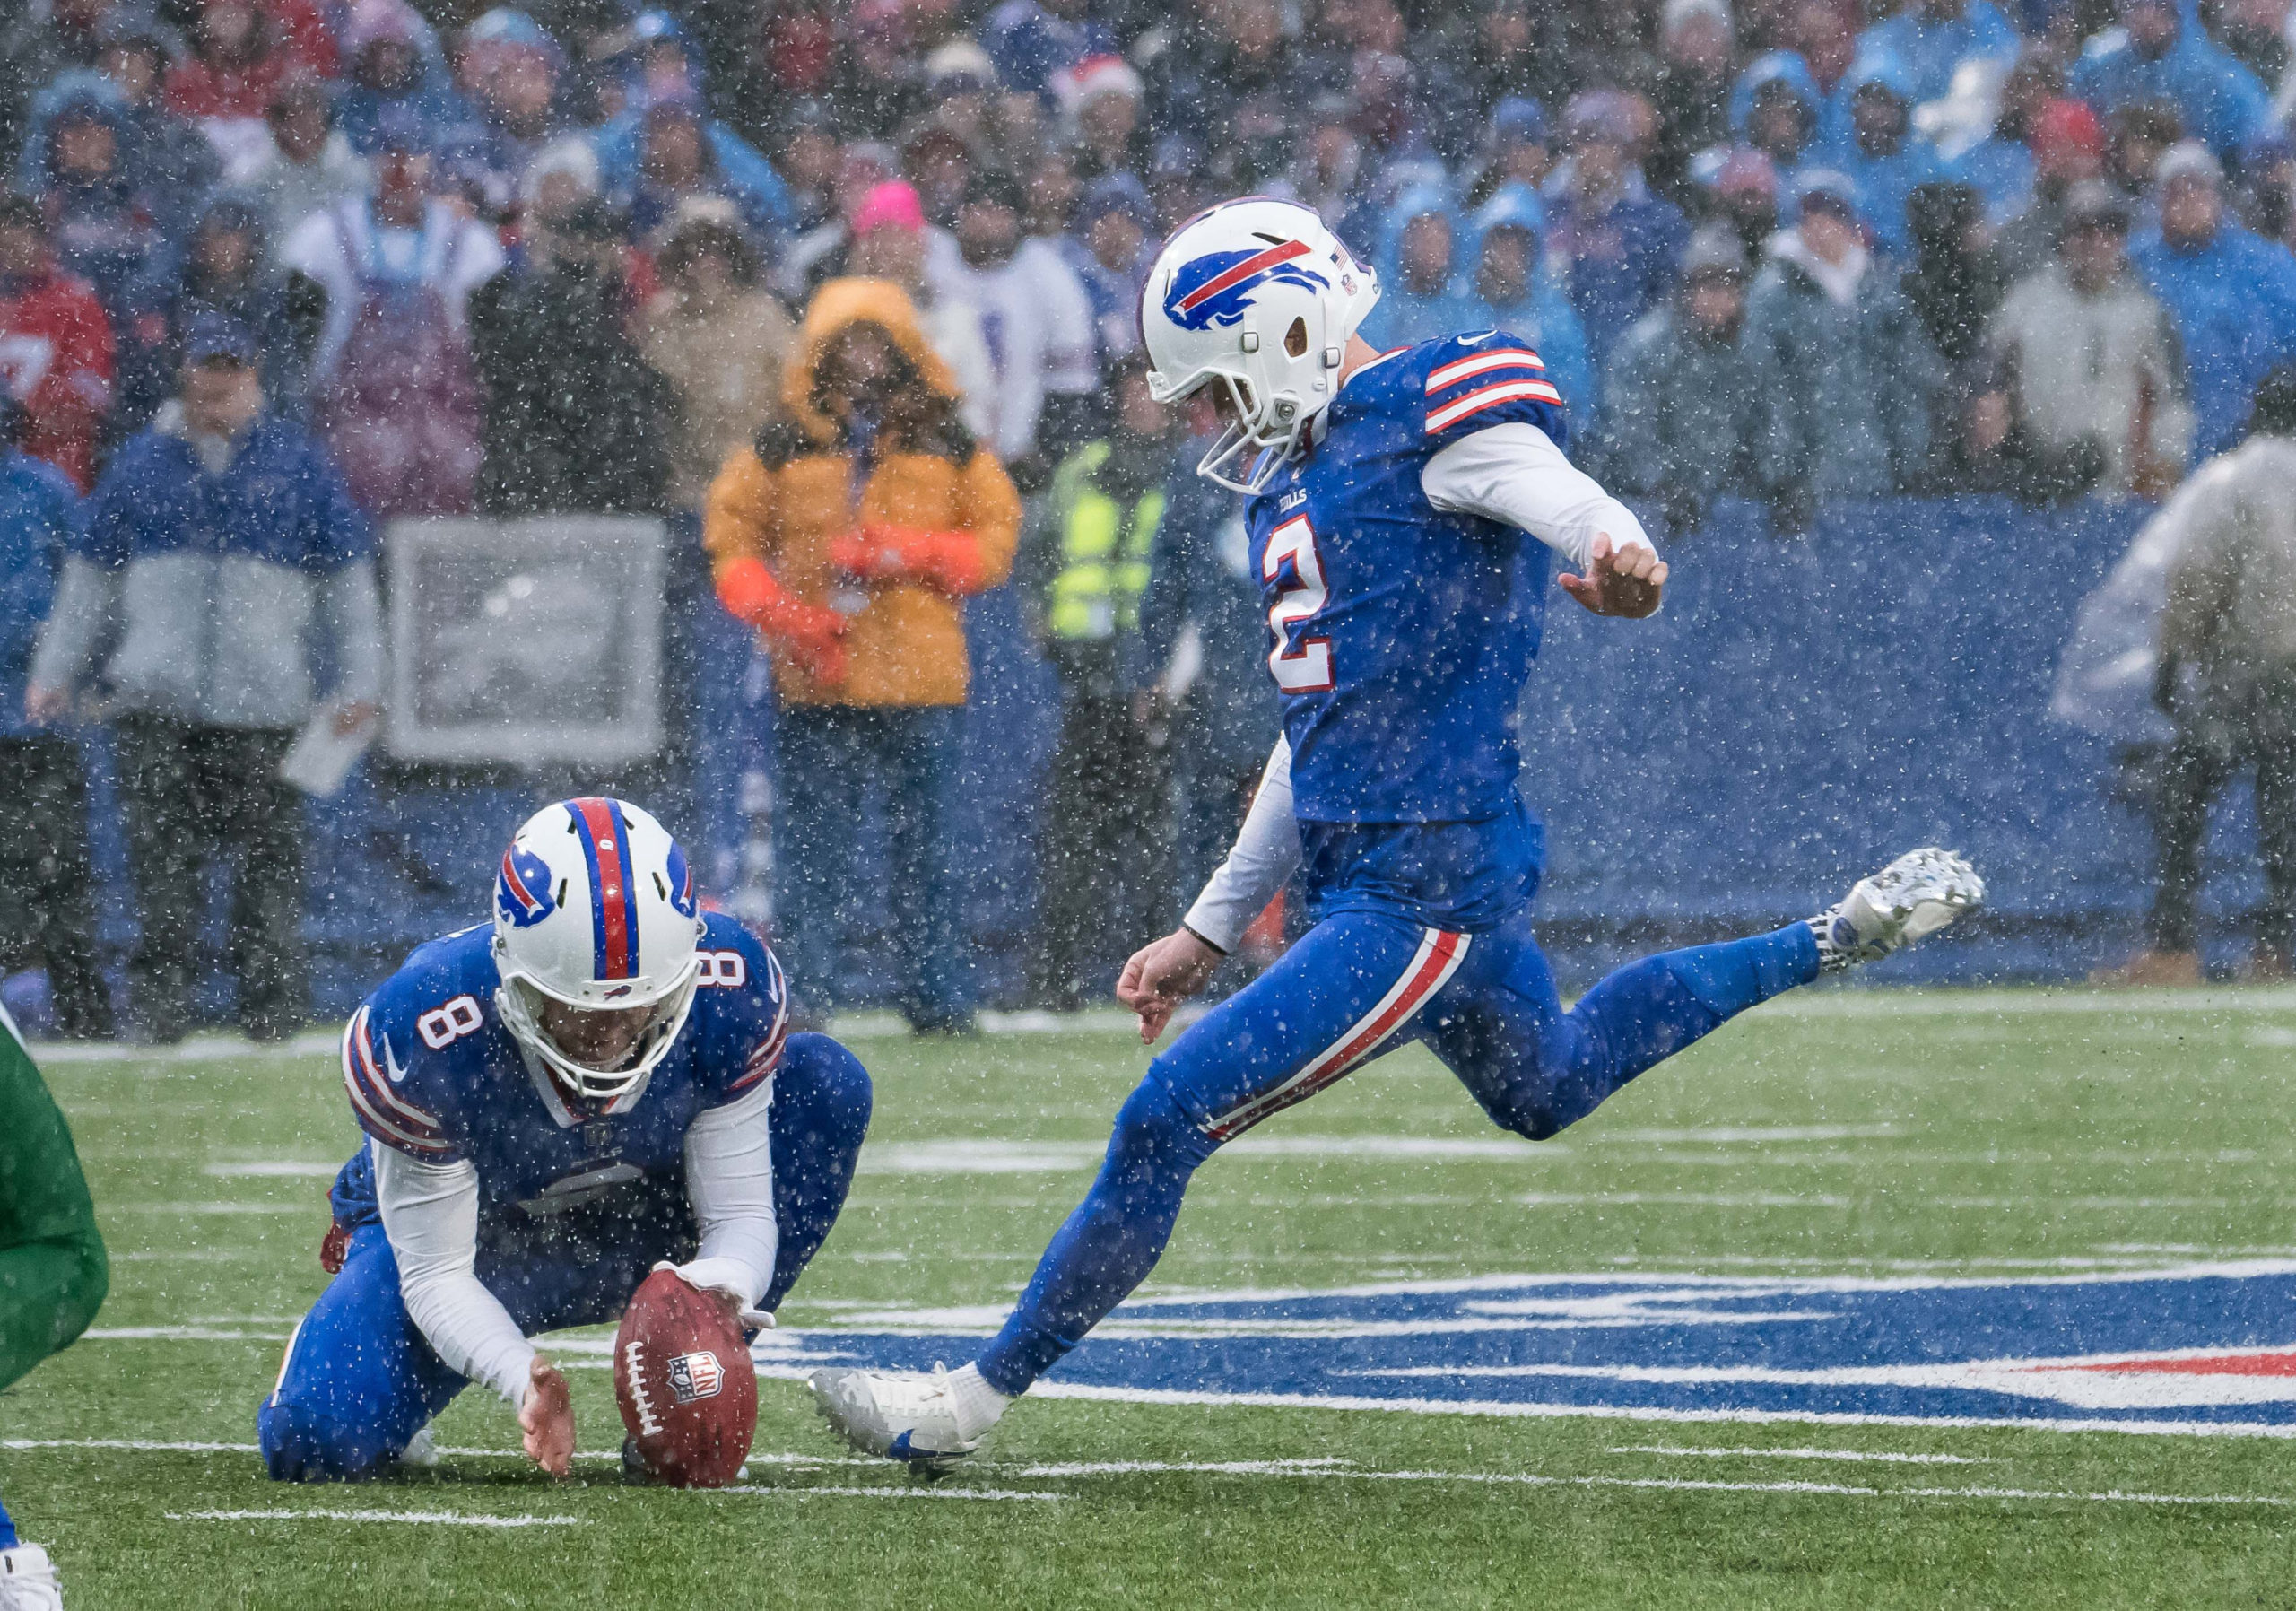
{"x":1726,"y":1135}
{"x":1324,"y":1467}
{"x":991,"y":1493}
{"x":1606,"y":1412}
{"x":1877,"y":1455}
{"x":2272,"y":1035}
{"x":1298,"y":1468}
{"x":424,"y":1518}
{"x":1688,"y":1199}
{"x":292,"y":1169}
{"x":309,"y":1210}
{"x":199,"y":1049}
{"x":195,"y":1446}
{"x":177,"y":1334}
{"x":971,"y":1156}
{"x":2010,"y":1004}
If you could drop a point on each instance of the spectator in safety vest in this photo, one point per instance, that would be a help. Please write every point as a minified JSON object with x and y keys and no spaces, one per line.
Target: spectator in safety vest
{"x":849,"y":535}
{"x":1085,"y":566}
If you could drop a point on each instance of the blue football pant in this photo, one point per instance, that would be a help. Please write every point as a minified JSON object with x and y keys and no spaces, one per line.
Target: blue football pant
{"x":358,"y":1381}
{"x":1354,"y":986}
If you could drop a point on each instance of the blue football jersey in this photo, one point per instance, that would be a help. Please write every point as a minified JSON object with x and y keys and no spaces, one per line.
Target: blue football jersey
{"x":431,"y":1070}
{"x":1401,"y":637}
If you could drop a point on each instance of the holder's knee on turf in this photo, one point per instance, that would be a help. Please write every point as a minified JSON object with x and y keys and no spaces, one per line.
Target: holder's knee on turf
{"x":303,"y":1442}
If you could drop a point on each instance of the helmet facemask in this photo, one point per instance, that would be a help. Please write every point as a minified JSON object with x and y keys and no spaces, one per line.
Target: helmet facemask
{"x":526,"y":1006}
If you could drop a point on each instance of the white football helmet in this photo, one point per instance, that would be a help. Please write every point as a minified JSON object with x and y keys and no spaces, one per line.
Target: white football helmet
{"x":595,"y":909}
{"x":1257,"y":295}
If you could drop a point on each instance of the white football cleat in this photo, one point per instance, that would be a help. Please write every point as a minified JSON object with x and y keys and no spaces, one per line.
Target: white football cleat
{"x":1917,"y":894}
{"x":920,"y":1420}
{"x":421,"y":1451}
{"x":28,"y":1581}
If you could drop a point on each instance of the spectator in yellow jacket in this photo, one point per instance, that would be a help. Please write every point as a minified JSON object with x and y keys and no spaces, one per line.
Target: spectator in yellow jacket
{"x":850,"y":536}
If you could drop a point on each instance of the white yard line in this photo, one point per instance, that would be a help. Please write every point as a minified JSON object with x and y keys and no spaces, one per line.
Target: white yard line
{"x":1724,"y":1134}
{"x":2012,"y":1004}
{"x":943,"y":1492}
{"x":421,"y":1518}
{"x":309,"y":1209}
{"x":1878,"y":1456}
{"x":291,"y":1169}
{"x":177,"y":1334}
{"x":1685,"y":1199}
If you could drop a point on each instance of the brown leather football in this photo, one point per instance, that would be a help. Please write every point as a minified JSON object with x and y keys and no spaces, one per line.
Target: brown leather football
{"x":687,"y":1391}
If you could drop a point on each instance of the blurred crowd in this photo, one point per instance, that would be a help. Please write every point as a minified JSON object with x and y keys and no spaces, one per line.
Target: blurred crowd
{"x":846,"y":293}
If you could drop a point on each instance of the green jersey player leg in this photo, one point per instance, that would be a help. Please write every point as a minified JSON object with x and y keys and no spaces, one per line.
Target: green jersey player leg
{"x":53,"y":1273}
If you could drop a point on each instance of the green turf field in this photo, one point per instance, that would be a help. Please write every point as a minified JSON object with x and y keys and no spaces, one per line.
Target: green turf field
{"x":1848,"y":1133}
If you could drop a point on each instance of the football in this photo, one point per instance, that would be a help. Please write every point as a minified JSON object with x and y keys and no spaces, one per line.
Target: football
{"x":688,"y":1392}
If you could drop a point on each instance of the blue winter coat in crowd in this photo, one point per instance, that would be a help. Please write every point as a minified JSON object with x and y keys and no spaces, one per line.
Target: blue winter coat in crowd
{"x":1618,"y":262}
{"x":2001,"y":170}
{"x":1884,"y":182}
{"x":159,"y":307}
{"x":1545,"y":318}
{"x":1846,"y":388}
{"x":1931,"y":48}
{"x":1029,"y":44}
{"x":168,"y":164}
{"x":2221,"y":102}
{"x":39,"y":517}
{"x":102,"y":229}
{"x":432,"y":99}
{"x":211,"y":581}
{"x":1787,"y":68}
{"x":1405,"y":313}
{"x":750,"y":180}
{"x":2234,"y":304}
{"x":1682,"y":411}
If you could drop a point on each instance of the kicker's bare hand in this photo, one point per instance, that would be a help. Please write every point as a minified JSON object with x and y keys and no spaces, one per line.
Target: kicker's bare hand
{"x":547,"y":1418}
{"x":1618,"y":581}
{"x":1161,"y":975}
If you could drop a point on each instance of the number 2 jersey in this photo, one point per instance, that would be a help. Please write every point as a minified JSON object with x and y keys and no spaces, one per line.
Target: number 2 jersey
{"x":1402,"y":636}
{"x":431,"y":1071}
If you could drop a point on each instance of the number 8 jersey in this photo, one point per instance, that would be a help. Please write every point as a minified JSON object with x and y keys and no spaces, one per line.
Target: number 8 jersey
{"x":431,"y":1070}
{"x":1401,"y":635}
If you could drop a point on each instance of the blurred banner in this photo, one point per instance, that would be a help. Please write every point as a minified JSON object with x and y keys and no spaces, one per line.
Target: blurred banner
{"x":533,"y":642}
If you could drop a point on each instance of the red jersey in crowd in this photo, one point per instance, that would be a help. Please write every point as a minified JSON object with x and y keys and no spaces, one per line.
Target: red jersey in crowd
{"x":56,"y":359}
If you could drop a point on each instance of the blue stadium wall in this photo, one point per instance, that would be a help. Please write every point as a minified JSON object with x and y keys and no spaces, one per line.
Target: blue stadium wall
{"x":1802,"y":710}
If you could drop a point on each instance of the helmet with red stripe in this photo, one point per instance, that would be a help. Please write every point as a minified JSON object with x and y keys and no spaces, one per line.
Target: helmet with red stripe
{"x":595,"y":931}
{"x":1257,"y":297}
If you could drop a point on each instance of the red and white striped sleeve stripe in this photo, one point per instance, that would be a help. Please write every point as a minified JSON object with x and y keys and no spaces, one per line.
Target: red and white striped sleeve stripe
{"x":1430,"y":968}
{"x":1451,"y":374}
{"x":381,"y":1111}
{"x":1494,"y":395}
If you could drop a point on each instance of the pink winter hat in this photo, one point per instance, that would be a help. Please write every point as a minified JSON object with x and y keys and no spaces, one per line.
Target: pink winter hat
{"x":892,"y":206}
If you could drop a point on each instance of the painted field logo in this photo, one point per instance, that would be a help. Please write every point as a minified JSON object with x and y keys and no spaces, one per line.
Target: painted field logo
{"x":694,"y":1376}
{"x":2203,"y":1348}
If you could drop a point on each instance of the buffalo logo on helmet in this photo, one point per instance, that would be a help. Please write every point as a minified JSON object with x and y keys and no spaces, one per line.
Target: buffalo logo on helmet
{"x":695,"y":1376}
{"x":1216,"y":288}
{"x":522,"y":893}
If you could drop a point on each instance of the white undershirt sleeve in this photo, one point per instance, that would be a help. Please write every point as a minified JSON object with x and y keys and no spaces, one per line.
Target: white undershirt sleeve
{"x":1266,"y":852}
{"x":729,"y":1181}
{"x":430,"y":1214}
{"x":1515,"y":474}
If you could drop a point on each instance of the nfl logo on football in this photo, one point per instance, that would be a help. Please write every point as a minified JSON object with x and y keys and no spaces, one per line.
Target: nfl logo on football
{"x":694,"y":1376}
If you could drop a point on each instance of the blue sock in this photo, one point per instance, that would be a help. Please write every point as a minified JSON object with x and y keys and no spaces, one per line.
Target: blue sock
{"x":8,"y":1539}
{"x":1109,"y":1244}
